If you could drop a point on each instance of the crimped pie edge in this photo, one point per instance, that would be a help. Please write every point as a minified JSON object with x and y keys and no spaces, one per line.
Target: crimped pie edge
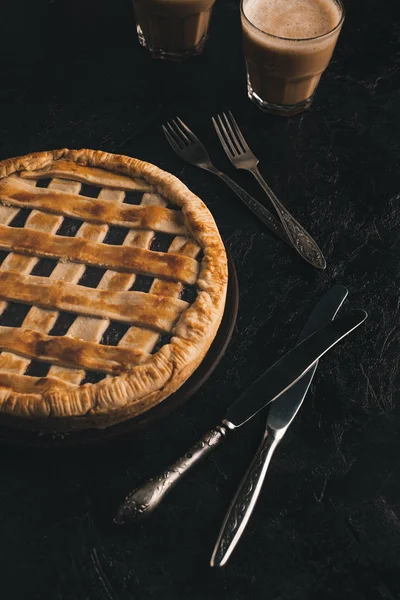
{"x":115,"y":399}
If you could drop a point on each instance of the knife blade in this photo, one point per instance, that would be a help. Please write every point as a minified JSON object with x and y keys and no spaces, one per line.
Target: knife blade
{"x":276,"y":380}
{"x":281,"y":415}
{"x":283,"y":412}
{"x":288,"y":370}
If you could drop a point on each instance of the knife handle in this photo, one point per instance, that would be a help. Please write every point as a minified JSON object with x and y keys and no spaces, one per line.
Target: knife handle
{"x":244,"y":501}
{"x":148,"y":496}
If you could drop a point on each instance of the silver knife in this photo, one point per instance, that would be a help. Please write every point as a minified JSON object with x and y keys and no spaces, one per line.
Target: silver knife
{"x":267,"y":388}
{"x":280,"y":416}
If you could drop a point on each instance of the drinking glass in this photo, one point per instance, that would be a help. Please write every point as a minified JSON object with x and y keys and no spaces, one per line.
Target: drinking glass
{"x":283,"y":73}
{"x":173,"y":29}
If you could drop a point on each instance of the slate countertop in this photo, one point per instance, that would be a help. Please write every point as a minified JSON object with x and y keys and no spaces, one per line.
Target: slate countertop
{"x":327,"y":525}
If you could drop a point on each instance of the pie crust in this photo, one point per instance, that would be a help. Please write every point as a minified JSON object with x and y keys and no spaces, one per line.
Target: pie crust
{"x":164,"y":336}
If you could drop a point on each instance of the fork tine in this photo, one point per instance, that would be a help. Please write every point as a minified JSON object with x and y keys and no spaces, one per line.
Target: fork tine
{"x":238,"y":132}
{"x":181,"y":133}
{"x":176,"y":136}
{"x":234,"y":137}
{"x":171,"y":140}
{"x":188,"y":131}
{"x":228,"y":140}
{"x":222,"y":139}
{"x":227,"y":137}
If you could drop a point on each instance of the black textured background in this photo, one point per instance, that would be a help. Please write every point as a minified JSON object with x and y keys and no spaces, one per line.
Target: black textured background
{"x":327,"y":524}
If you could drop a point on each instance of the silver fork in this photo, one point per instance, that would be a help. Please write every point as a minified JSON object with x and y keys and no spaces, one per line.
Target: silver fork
{"x":240,"y":155}
{"x":188,"y":146}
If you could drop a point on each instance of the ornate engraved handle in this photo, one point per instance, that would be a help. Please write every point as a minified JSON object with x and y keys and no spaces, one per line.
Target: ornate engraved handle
{"x":302,"y":241}
{"x":147,"y":497}
{"x":244,"y":501}
{"x":256,"y":207}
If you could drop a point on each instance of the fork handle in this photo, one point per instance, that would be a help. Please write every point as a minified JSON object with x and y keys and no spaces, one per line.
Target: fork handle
{"x":302,"y":241}
{"x":256,"y":207}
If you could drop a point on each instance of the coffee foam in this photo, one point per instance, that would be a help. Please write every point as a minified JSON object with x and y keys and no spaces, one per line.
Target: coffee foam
{"x":296,"y":19}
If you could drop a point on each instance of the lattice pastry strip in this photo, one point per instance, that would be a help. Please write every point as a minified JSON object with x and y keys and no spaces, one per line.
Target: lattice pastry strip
{"x":16,"y":192}
{"x":148,"y":310}
{"x":89,"y":252}
{"x":7,"y":214}
{"x":36,"y":220}
{"x":66,"y":350}
{"x":65,"y":169}
{"x":25,"y":384}
{"x":24,"y":264}
{"x":144,"y":339}
{"x":91,"y":329}
{"x":40,"y":319}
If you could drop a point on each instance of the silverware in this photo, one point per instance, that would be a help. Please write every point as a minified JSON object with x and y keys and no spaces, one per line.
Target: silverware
{"x":186,"y":145}
{"x":240,"y":155}
{"x":272,"y":384}
{"x":280,"y":416}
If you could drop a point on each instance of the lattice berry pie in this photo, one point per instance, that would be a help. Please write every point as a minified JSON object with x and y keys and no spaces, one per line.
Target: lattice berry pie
{"x":112,"y":287}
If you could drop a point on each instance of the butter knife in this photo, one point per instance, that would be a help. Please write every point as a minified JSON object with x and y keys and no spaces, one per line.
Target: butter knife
{"x":267,"y":388}
{"x":280,"y":416}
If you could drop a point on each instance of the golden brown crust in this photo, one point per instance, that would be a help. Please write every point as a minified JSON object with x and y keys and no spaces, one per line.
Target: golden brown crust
{"x":58,"y":404}
{"x":117,"y":258}
{"x":139,"y":308}
{"x":14,"y":192}
{"x":67,"y":351}
{"x":64,"y":169}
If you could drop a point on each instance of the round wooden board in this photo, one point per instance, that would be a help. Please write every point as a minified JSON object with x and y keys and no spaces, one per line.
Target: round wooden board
{"x":10,"y":435}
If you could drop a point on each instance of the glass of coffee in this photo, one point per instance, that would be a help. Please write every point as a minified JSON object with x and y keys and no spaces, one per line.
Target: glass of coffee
{"x":287,"y":46}
{"x":173,"y":29}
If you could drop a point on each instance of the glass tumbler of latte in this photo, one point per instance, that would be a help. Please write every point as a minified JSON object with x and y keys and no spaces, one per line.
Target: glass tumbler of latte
{"x":173,"y":29}
{"x":287,"y":46}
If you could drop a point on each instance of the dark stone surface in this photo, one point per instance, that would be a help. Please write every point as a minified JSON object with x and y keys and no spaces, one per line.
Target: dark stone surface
{"x":327,"y":525}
